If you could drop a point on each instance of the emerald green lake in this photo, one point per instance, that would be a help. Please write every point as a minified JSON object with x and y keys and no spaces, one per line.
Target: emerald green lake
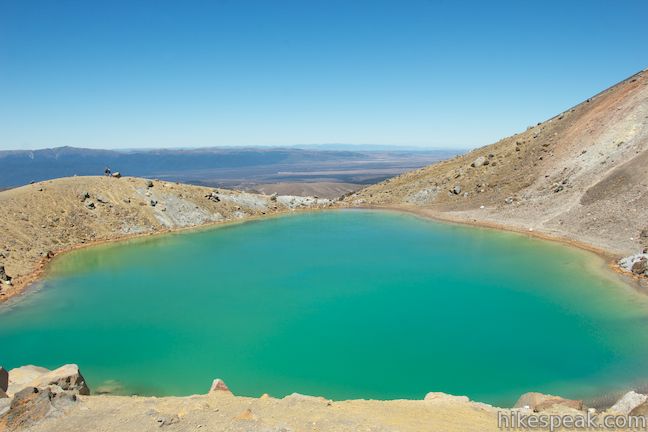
{"x":344,"y":304}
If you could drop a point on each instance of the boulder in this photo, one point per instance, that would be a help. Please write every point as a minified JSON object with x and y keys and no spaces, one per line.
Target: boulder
{"x":213,"y":196}
{"x":218,"y":385}
{"x":444,"y":397}
{"x":28,"y":407}
{"x":481,"y":160}
{"x":67,"y":377}
{"x":116,"y":174}
{"x":4,"y":277}
{"x":641,"y":410}
{"x":90,"y":205}
{"x":4,"y":379}
{"x":508,"y":200}
{"x":149,"y":183}
{"x":20,"y":377}
{"x":640,"y":266}
{"x":628,"y":403}
{"x":541,"y":402}
{"x":634,"y":263}
{"x":456,"y":190}
{"x":31,"y":405}
{"x":153,"y":203}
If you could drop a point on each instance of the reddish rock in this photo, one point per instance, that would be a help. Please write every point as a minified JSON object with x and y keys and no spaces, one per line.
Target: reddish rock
{"x":218,"y":385}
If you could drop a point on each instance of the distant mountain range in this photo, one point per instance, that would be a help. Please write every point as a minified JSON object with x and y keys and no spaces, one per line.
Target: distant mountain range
{"x":368,"y":147}
{"x":226,"y":166}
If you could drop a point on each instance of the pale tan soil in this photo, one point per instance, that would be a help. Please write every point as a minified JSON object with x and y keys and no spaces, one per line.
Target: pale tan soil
{"x":582,"y":175}
{"x":222,"y":412}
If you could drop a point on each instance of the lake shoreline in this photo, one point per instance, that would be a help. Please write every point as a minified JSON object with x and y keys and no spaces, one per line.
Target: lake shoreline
{"x":362,"y":220}
{"x":45,"y":219}
{"x":22,"y":286}
{"x":610,"y":258}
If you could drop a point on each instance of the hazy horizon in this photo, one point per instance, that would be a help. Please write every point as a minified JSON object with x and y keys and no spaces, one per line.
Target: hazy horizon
{"x":316,"y":146}
{"x":433,"y":74}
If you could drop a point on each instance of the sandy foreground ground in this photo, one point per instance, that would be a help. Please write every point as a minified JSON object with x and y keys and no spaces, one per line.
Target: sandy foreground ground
{"x":217,"y":412}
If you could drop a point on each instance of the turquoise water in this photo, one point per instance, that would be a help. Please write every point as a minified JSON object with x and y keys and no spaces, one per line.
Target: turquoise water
{"x":345,"y":304}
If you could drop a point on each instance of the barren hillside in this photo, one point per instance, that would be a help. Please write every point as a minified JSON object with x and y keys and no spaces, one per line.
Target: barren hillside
{"x":582,"y":174}
{"x":41,"y":219}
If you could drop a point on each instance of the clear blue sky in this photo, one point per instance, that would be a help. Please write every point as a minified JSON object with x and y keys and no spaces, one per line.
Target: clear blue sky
{"x":200,"y":73}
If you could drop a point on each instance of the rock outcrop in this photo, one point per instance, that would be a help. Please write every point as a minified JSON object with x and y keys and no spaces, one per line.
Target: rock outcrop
{"x":34,"y":394}
{"x":480,"y":161}
{"x":640,"y":410}
{"x":31,"y":405}
{"x":628,"y":403}
{"x":4,"y":277}
{"x":67,"y":378}
{"x":21,"y":377}
{"x":636,"y":264}
{"x":640,"y":267}
{"x":539,"y":402}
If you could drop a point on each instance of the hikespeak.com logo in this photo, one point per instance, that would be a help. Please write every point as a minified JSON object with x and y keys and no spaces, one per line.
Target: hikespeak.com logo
{"x":517,"y":420}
